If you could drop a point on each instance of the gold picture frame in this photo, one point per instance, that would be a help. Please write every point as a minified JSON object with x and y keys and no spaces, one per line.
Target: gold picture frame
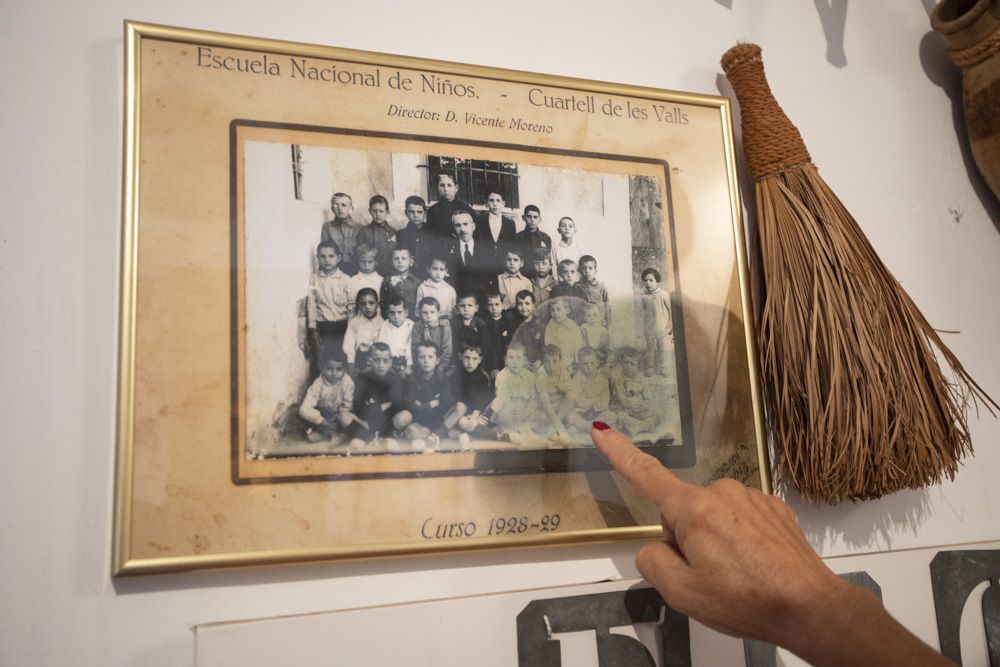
{"x":234,"y":148}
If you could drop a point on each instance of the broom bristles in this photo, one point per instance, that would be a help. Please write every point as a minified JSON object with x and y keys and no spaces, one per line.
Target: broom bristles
{"x":858,"y":405}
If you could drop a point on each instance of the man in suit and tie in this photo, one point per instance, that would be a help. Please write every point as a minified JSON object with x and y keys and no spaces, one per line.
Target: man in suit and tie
{"x":495,"y":231}
{"x":470,"y":260}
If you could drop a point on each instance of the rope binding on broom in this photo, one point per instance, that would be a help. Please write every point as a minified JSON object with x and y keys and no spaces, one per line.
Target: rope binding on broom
{"x":762,"y":117}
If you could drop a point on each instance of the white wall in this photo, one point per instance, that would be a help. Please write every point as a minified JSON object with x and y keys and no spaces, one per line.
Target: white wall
{"x":881,"y":128}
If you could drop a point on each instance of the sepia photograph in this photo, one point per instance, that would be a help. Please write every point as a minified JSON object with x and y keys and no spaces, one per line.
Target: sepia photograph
{"x":457,"y":299}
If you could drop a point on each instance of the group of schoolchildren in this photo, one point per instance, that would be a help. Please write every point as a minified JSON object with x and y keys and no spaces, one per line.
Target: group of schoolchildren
{"x":422,"y":336}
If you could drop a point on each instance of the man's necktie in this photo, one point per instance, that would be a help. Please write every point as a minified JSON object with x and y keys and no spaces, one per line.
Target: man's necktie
{"x":466,"y":255}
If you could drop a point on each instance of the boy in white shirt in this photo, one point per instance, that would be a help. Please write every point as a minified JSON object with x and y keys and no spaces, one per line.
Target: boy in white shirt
{"x":566,"y":247}
{"x":436,"y":287}
{"x":326,"y":303}
{"x":592,"y":395}
{"x":563,"y":332}
{"x":366,"y":275}
{"x":515,"y":408}
{"x":395,"y":332}
{"x":511,"y":281}
{"x":328,"y":402}
{"x":362,"y":330}
{"x":657,"y":326}
{"x":595,"y":331}
{"x":555,"y":388}
{"x":639,"y":415}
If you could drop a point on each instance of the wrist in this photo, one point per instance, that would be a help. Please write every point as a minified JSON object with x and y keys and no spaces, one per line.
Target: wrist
{"x":824,"y":615}
{"x":848,"y":625}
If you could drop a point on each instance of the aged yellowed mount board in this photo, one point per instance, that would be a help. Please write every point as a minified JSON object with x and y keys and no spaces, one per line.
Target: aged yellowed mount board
{"x":582,"y":246}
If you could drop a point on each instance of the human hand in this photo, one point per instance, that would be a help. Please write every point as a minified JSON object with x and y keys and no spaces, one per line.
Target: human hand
{"x":736,"y":560}
{"x":730,"y":557}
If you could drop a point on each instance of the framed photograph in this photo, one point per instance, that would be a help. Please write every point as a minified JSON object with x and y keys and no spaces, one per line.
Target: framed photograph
{"x":371,"y":304}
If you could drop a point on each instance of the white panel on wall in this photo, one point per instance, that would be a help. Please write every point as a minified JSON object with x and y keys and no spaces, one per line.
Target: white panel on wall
{"x":490,"y":631}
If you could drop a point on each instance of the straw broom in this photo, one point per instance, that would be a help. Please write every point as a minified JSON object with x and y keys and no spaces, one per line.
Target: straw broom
{"x":857,"y":404}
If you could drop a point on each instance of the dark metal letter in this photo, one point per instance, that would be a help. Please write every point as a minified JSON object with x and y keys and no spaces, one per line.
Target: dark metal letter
{"x":953,"y":576}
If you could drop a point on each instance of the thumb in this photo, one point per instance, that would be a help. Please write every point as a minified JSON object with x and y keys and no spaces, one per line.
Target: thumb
{"x":663,"y":566}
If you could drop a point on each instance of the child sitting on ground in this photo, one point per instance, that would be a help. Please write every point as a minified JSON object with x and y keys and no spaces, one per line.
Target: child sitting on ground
{"x":327,"y":405}
{"x":555,"y":389}
{"x":435,"y":286}
{"x":473,"y":391}
{"x":430,"y":328}
{"x":378,"y":400}
{"x":637,"y":416}
{"x":362,"y":330}
{"x":592,"y":396}
{"x":395,"y":332}
{"x":427,"y":395}
{"x":515,"y":408}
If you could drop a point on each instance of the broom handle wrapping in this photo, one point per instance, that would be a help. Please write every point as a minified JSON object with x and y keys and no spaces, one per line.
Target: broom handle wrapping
{"x":770,"y":141}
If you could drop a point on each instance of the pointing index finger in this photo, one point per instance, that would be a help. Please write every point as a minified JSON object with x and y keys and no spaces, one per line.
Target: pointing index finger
{"x":646,"y":474}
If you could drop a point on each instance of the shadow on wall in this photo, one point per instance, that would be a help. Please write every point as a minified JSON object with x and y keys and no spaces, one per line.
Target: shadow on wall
{"x":936,"y":65}
{"x":946,"y":75}
{"x":833,"y":17}
{"x":868,"y":524}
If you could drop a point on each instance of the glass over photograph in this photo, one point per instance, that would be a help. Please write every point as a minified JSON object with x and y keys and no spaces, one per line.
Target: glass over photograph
{"x":462,"y":299}
{"x":377,"y":313}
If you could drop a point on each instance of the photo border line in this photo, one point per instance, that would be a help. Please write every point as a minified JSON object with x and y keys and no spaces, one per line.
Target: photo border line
{"x":572,"y":459}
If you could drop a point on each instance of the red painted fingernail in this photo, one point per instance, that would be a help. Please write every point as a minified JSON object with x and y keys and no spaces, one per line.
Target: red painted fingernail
{"x":601,"y":426}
